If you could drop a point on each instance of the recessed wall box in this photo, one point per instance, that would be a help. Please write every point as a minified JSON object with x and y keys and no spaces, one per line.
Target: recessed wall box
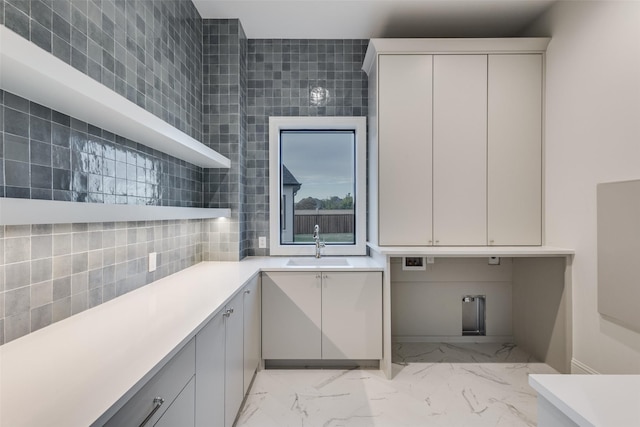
{"x":474,"y":315}
{"x":414,"y":263}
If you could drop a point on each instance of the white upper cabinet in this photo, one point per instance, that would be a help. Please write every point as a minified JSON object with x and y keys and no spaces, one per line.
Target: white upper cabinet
{"x":455,"y":141}
{"x":460,"y":149}
{"x":515,"y":150}
{"x":405,"y":150}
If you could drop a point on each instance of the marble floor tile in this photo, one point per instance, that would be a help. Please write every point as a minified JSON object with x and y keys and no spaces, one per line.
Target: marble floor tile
{"x":434,"y":385}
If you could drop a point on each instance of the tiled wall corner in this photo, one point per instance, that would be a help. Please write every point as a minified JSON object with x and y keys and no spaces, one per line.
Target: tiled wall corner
{"x":224,"y":117}
{"x":50,"y":272}
{"x":219,"y":240}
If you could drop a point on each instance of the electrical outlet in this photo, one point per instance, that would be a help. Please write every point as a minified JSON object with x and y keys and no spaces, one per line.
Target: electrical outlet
{"x":153,"y":261}
{"x":430,"y":260}
{"x":262,"y":242}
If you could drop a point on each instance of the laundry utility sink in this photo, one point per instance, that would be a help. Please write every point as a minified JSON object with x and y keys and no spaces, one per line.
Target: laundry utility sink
{"x":318,"y":262}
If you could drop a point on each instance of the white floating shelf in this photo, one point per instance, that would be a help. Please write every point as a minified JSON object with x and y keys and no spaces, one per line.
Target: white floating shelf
{"x":33,"y":73}
{"x":30,"y":211}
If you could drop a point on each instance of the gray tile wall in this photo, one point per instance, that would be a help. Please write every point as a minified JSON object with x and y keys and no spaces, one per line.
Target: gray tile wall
{"x":50,"y":272}
{"x":151,"y":53}
{"x":281,"y":76}
{"x":148,"y":51}
{"x":59,"y":270}
{"x":48,"y":155}
{"x":224,"y":128}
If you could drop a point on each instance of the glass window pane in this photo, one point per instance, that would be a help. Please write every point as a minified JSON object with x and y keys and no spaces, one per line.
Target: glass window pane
{"x":317,"y":176}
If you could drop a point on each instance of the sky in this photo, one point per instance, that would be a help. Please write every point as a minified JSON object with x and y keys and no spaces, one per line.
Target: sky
{"x":322,"y":161}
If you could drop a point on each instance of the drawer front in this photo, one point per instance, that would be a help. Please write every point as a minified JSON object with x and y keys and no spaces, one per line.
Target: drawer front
{"x":166,"y":384}
{"x":181,"y":412}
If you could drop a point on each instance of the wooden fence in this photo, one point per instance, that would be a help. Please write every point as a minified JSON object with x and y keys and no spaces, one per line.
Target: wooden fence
{"x":330,"y":221}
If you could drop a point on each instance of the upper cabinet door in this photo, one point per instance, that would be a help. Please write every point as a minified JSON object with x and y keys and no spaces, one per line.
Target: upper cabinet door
{"x":515,"y":149}
{"x":405,"y":149}
{"x":460,"y":149}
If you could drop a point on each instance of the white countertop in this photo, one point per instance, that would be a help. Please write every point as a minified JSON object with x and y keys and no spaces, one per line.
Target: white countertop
{"x":593,"y":400}
{"x":472,"y":251}
{"x":71,"y":372}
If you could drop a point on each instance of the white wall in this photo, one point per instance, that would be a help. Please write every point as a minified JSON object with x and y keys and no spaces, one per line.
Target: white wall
{"x":427,"y":305}
{"x":592,"y":135}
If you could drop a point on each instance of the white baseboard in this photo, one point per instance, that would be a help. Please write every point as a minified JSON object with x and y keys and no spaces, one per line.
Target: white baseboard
{"x":453,"y":339}
{"x":580,"y":368}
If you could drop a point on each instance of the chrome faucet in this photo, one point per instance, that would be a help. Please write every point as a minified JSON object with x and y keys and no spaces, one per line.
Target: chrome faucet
{"x":316,"y":238}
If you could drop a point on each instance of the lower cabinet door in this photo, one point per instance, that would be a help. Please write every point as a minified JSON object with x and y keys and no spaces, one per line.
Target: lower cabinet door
{"x":291,"y":310}
{"x":210,"y":354}
{"x":234,"y":359}
{"x":251,"y":330}
{"x":352,"y":315}
{"x":181,"y":412}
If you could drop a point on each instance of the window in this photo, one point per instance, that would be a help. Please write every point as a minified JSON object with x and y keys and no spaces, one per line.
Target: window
{"x":317,"y":176}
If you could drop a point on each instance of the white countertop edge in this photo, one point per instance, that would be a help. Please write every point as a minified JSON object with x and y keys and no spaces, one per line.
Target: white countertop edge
{"x":472,"y":251}
{"x":592,"y":400}
{"x":535,"y":381}
{"x":152,"y":322}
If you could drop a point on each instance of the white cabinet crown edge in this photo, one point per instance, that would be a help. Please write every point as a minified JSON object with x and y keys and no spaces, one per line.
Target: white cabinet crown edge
{"x":452,"y":46}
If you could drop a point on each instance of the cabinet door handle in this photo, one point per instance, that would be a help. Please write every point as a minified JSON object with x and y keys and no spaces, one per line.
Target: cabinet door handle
{"x":157,"y":403}
{"x":248,"y":291}
{"x":318,"y":276}
{"x":228,"y":312}
{"x":325,"y":277}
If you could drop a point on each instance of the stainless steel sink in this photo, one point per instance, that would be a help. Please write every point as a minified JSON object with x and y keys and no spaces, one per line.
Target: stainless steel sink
{"x":318,"y":262}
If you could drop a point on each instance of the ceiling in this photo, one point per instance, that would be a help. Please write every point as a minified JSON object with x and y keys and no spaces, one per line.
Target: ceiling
{"x":364,"y":19}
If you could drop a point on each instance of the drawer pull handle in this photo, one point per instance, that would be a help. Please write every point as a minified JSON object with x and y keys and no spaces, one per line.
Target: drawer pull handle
{"x":157,"y":403}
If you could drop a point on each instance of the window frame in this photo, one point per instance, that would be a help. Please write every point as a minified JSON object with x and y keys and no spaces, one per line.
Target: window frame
{"x":356,"y":124}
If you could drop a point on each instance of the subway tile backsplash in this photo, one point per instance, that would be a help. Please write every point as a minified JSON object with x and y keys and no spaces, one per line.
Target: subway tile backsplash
{"x":48,"y":155}
{"x":50,"y":272}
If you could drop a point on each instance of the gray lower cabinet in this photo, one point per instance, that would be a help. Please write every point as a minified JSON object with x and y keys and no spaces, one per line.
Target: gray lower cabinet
{"x":252,"y":330}
{"x":210,"y":366}
{"x":181,"y":412}
{"x":329,"y":315}
{"x":221,"y":361}
{"x":233,"y":360}
{"x":204,"y":384}
{"x":166,"y":399}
